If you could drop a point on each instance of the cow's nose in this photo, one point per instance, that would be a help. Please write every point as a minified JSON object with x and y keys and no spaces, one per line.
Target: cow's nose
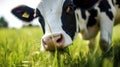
{"x":52,"y":42}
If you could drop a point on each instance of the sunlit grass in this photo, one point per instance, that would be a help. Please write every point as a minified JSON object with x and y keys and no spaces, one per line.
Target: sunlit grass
{"x":21,"y":48}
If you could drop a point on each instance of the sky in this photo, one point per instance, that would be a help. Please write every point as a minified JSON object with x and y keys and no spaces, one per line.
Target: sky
{"x":7,"y":5}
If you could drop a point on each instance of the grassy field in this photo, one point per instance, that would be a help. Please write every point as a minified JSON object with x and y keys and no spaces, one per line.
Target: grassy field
{"x":21,"y":48}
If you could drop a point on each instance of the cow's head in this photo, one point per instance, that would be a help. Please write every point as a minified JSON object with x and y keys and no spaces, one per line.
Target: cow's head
{"x":57,"y":18}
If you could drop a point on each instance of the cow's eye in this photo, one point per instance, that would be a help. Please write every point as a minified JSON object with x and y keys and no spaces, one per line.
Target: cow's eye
{"x":69,"y":9}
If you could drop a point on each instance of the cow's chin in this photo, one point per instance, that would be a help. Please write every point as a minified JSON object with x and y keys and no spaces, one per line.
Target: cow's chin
{"x":61,"y":49}
{"x":68,"y":41}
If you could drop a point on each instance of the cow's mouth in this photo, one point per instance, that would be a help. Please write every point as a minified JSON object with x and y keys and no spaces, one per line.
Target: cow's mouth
{"x":54,"y":42}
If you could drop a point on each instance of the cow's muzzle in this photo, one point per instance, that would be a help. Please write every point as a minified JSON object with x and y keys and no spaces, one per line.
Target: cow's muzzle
{"x":53,"y":42}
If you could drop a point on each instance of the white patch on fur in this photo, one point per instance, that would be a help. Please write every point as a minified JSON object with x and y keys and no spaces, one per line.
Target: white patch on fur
{"x":80,"y":21}
{"x":106,"y":25}
{"x":106,"y":28}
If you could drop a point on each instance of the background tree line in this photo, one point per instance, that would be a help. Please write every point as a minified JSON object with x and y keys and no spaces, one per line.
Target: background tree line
{"x":3,"y":22}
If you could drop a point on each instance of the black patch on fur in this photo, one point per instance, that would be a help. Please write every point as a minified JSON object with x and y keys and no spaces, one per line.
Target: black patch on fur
{"x":104,"y":7}
{"x":83,"y":13}
{"x":68,"y":20}
{"x":92,"y":21}
{"x":118,"y":2}
{"x":110,"y":14}
{"x":85,"y":4}
{"x":113,"y":2}
{"x":41,"y":20}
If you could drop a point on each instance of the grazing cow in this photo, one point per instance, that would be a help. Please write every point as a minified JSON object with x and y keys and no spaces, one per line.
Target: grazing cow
{"x":62,"y":19}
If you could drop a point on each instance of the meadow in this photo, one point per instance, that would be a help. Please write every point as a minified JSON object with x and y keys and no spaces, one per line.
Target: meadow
{"x":21,"y":48}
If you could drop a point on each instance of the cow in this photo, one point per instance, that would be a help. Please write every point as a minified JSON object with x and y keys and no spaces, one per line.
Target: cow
{"x":61,"y":20}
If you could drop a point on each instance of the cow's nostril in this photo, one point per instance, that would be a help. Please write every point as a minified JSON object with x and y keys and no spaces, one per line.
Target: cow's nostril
{"x":59,"y":39}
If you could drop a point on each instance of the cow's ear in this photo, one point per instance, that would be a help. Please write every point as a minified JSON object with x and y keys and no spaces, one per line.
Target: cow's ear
{"x":24,"y":13}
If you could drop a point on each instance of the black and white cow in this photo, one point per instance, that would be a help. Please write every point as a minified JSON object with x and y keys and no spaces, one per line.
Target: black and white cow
{"x":62,"y":19}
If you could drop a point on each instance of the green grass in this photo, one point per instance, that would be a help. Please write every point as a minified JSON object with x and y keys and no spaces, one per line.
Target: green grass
{"x":21,"y":48}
